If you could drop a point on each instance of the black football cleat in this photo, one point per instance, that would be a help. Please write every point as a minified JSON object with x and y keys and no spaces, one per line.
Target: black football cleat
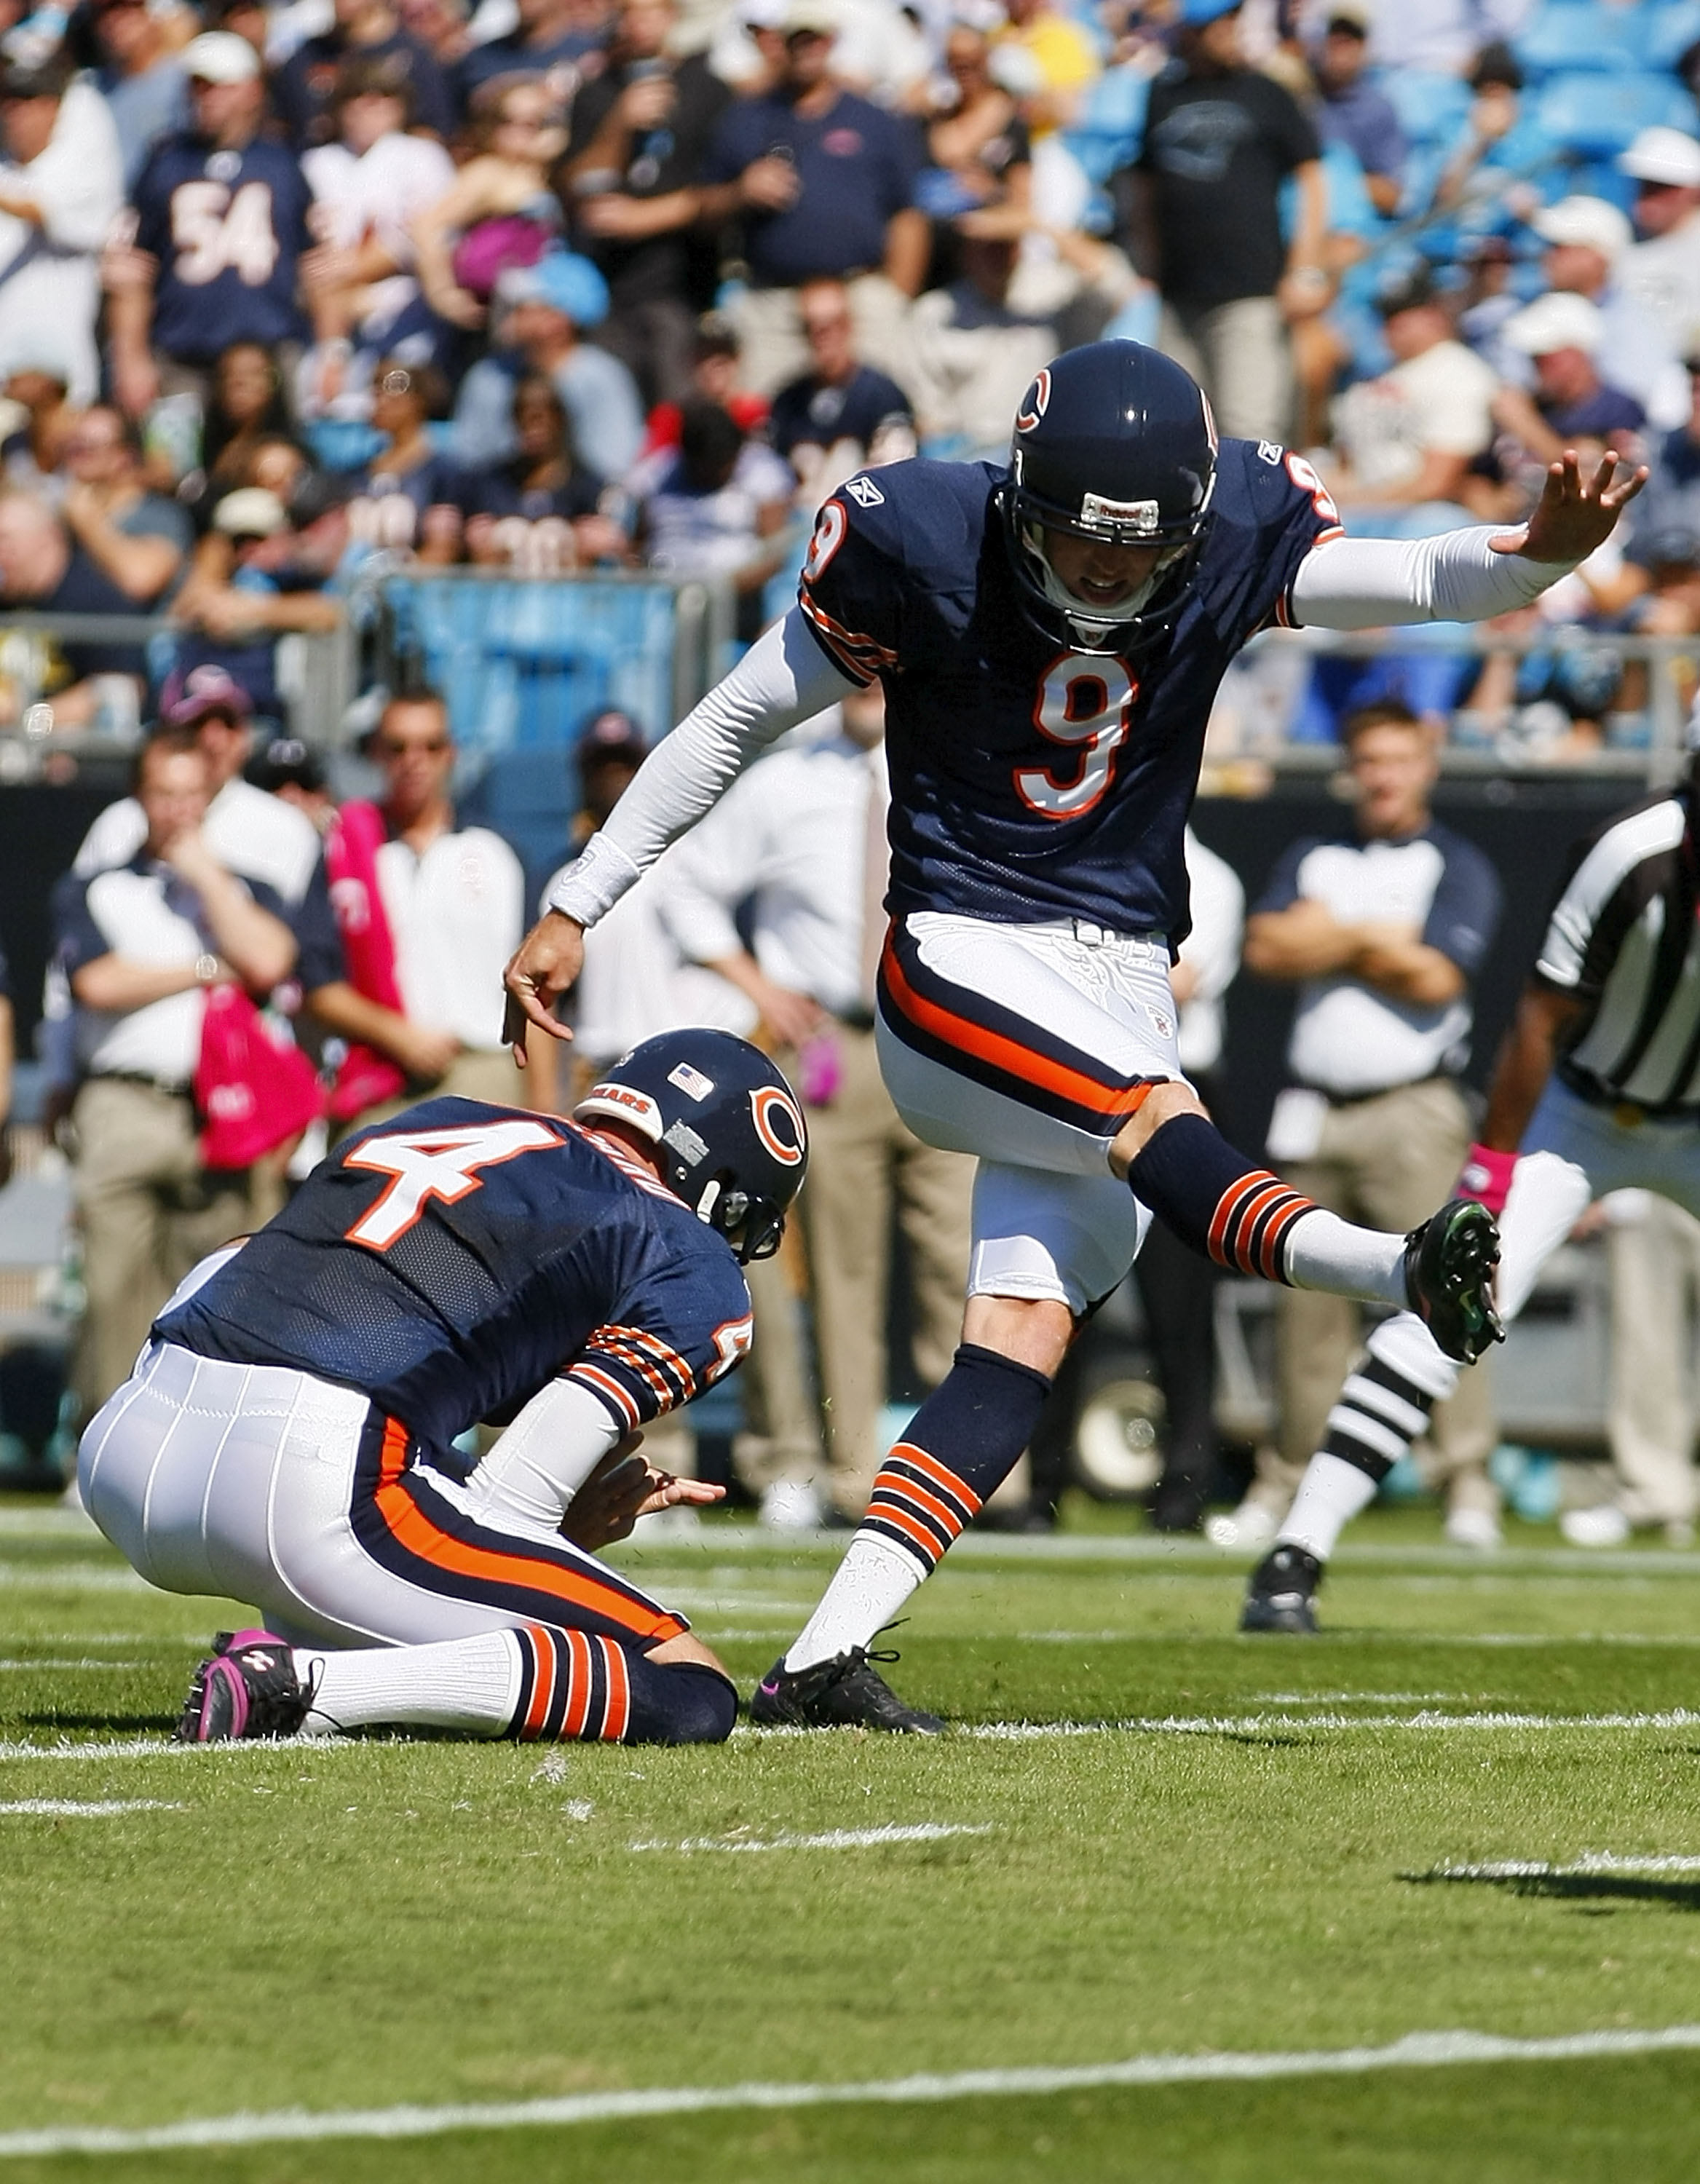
{"x":846,"y":1692}
{"x":1282,"y":1593}
{"x":248,"y":1688}
{"x":1449,"y":1263}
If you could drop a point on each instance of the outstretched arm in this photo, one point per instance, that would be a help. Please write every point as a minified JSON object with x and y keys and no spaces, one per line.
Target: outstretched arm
{"x":783,"y":678}
{"x":1465,"y":576}
{"x":1525,"y":1064}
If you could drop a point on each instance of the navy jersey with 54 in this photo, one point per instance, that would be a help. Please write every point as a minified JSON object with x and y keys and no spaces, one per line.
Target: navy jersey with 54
{"x":450,"y":1264}
{"x":1028,"y":780}
{"x":228,"y":228}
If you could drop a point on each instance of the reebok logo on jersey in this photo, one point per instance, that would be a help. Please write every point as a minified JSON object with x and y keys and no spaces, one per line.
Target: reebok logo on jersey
{"x":865,"y":492}
{"x":1268,"y":452}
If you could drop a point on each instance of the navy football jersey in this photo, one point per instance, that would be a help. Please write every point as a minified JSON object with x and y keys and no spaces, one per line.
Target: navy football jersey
{"x":450,"y":1262}
{"x":228,"y":228}
{"x":1029,"y":781}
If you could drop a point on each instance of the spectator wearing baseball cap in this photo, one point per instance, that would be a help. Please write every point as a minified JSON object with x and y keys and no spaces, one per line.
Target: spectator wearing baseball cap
{"x":1586,"y":241}
{"x":62,"y":190}
{"x":1564,"y":335}
{"x":1661,"y":272}
{"x":254,"y":833}
{"x":188,"y":289}
{"x":540,"y":312}
{"x":1351,"y":111}
{"x":1221,"y":141}
{"x":1410,"y":436}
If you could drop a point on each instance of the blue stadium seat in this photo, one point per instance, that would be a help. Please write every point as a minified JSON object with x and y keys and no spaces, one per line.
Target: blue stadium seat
{"x":1429,"y":105}
{"x":1597,"y":115}
{"x":1570,"y":35}
{"x":1668,"y":33}
{"x":529,"y":798}
{"x":1108,"y":131}
{"x":523,"y":665}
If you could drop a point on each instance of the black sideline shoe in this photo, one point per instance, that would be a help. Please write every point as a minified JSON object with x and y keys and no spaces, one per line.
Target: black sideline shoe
{"x":846,"y":1692}
{"x":1282,"y":1593}
{"x":1449,"y":1264}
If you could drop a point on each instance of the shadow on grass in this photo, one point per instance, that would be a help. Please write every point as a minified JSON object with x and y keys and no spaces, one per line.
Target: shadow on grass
{"x":114,"y":1723}
{"x":1574,"y":1888}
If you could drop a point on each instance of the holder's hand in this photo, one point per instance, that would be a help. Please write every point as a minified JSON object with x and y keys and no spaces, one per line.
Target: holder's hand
{"x":543,"y":966}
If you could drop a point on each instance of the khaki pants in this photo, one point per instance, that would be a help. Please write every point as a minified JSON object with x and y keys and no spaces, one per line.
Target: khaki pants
{"x":863,"y":1162}
{"x":1240,"y":354}
{"x":476,"y":1073}
{"x":148,"y":1210}
{"x":1655,"y":1263}
{"x":774,"y":352}
{"x":1388,"y":1162}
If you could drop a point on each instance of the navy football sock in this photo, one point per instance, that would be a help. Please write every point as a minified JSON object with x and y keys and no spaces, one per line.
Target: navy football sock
{"x":1216,"y":1199}
{"x":579,"y":1684}
{"x":961,"y":1445}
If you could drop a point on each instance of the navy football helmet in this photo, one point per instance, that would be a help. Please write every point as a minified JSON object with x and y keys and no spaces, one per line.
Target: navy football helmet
{"x":727,"y":1126}
{"x":1111,"y":442}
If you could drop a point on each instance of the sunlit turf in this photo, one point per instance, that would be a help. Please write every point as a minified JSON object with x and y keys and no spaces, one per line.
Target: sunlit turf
{"x":1244,"y":1868}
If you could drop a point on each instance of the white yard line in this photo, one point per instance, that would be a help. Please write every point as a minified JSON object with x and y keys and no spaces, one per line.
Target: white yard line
{"x":1417,"y":2050}
{"x":1590,"y":1862}
{"x":71,"y":1577}
{"x":833,"y":1839}
{"x":104,"y":1808}
{"x":72,"y":1664}
{"x":1254,"y":1724}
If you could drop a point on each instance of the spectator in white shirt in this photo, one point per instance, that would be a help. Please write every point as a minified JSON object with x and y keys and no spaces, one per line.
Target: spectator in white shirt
{"x":454,"y":900}
{"x":1409,"y":437}
{"x":1587,"y":242}
{"x":1661,"y":272}
{"x":803,"y":835}
{"x":61,"y":188}
{"x":368,"y":187}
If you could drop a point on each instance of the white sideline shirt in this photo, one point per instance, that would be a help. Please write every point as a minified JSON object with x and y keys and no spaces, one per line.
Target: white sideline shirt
{"x":455,"y":915}
{"x":792,"y":833}
{"x":636,"y":983}
{"x":251,"y":832}
{"x":1212,"y":950}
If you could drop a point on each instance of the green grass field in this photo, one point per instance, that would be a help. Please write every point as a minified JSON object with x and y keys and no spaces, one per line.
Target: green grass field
{"x":1238,"y":1855}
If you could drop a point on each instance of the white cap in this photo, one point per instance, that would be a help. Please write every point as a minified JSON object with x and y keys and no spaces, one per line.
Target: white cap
{"x":1670,"y":156}
{"x":1555,"y":321}
{"x":220,"y":57}
{"x":1588,"y":221}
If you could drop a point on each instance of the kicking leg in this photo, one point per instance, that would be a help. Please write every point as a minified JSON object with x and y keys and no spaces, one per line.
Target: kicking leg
{"x":1385,"y":1403}
{"x":1176,"y":1160}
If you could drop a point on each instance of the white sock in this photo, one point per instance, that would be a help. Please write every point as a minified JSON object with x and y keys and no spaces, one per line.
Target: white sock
{"x":468,"y":1684}
{"x":868,"y":1587}
{"x":1324,"y":1252}
{"x":1331,"y":1495}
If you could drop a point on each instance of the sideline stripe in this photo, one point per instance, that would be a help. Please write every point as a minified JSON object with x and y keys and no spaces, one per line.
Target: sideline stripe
{"x":1253,"y":1725}
{"x":833,"y":1839}
{"x":1417,"y":2050}
{"x":1590,"y":1862}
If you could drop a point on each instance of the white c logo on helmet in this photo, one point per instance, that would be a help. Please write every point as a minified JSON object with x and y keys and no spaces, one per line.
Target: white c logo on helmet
{"x":1033,"y":403}
{"x":779,"y":1125}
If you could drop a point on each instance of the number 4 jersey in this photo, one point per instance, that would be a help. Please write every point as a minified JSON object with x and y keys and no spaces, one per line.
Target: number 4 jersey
{"x":1029,"y":781}
{"x":451,"y":1262}
{"x":228,"y":228}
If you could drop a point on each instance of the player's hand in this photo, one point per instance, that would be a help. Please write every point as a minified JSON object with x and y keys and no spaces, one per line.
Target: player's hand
{"x":1574,"y":514}
{"x":623,"y":1487}
{"x":543,"y":966}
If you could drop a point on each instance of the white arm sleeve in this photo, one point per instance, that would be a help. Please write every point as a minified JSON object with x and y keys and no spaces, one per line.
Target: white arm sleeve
{"x":1365,"y":583}
{"x":783,"y":678}
{"x":533,"y":1472}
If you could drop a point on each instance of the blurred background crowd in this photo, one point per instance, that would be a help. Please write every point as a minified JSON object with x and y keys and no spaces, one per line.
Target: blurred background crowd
{"x":432,"y":334}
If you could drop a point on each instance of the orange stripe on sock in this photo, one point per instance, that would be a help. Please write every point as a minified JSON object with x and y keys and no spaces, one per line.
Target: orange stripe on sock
{"x":1015,"y":1060}
{"x":578,"y":1685}
{"x":1276,"y":1237}
{"x":617,"y":1716}
{"x":905,"y":1490}
{"x":941,"y":1473}
{"x":1227,"y":1205}
{"x":889,"y":1513}
{"x":1245,"y":1221}
{"x":543,"y":1681}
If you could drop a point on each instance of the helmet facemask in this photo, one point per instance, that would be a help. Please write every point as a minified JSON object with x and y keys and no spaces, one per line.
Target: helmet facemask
{"x":1135,"y":621}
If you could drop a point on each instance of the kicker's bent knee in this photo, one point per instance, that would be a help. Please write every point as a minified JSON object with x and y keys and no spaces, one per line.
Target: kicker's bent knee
{"x":1161,"y":1105}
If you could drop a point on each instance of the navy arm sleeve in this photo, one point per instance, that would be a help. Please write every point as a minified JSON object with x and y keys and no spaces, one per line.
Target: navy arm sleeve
{"x":850,"y":590}
{"x":77,"y":940}
{"x":682,"y":1325}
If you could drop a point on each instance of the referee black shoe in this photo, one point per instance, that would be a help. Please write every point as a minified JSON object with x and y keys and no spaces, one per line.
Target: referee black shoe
{"x":1449,"y":1264}
{"x":846,"y":1692}
{"x":1282,"y":1593}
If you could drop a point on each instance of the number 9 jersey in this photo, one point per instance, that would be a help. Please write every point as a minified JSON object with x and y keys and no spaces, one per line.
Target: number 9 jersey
{"x":1029,"y":781}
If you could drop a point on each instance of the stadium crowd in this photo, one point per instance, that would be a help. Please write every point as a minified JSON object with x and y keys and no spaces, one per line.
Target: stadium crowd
{"x":295,"y":298}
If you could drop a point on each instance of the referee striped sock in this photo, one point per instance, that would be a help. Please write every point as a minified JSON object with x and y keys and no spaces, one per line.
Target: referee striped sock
{"x":1383,"y":1408}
